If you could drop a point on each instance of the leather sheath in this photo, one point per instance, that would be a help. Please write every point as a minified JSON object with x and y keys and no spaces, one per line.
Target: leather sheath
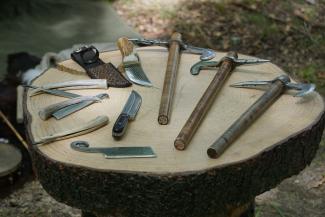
{"x":97,"y":69}
{"x":109,"y":72}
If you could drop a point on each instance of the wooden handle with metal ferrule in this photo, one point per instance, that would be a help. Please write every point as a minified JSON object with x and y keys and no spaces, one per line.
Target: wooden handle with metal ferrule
{"x":246,"y":119}
{"x":202,"y":107}
{"x":170,"y":79}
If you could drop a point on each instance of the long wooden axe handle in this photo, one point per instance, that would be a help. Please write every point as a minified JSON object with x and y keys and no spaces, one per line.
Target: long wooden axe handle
{"x":246,"y":119}
{"x":170,"y":79}
{"x":202,"y":107}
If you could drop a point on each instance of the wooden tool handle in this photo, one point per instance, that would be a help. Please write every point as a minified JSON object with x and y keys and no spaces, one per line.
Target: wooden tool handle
{"x":170,"y":79}
{"x":125,"y":46}
{"x":246,"y":119}
{"x":120,"y":126}
{"x":92,"y":125}
{"x":47,"y":112}
{"x":202,"y":107}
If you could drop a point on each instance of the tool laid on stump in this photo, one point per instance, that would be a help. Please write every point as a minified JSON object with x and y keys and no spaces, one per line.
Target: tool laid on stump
{"x":205,"y":53}
{"x":64,"y":108}
{"x":170,"y":79}
{"x":276,"y":87}
{"x":131,"y":63}
{"x":69,"y":85}
{"x":226,"y":66}
{"x":88,"y":58}
{"x":129,"y":112}
{"x":81,"y":129}
{"x":115,"y":152}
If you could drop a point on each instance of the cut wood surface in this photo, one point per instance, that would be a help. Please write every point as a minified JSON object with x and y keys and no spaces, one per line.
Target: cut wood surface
{"x":287,"y":117}
{"x":176,"y":183}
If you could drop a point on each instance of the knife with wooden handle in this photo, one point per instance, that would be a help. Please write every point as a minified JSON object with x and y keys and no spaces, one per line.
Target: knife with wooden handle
{"x":128,"y":113}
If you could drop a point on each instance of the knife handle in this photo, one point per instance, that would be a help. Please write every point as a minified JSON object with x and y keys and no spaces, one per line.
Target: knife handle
{"x":120,"y":126}
{"x":125,"y":46}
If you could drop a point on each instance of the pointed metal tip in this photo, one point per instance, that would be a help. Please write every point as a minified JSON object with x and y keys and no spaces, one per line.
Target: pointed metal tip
{"x":238,"y":84}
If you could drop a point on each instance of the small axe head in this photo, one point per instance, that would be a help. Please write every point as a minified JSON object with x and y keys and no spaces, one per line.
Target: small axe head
{"x":231,"y":56}
{"x":303,"y":89}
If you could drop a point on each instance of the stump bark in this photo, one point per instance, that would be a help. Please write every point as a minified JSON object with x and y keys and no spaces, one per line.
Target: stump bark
{"x":177,"y":183}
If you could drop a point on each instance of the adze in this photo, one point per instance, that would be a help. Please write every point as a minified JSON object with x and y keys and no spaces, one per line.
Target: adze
{"x":226,"y":66}
{"x":276,"y":87}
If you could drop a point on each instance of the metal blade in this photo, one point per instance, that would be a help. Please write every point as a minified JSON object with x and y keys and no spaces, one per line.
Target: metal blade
{"x":197,"y":67}
{"x":75,"y":107}
{"x":132,"y":105}
{"x":128,"y":152}
{"x":303,"y":89}
{"x":115,"y":152}
{"x":136,"y":74}
{"x":250,"y":61}
{"x":206,"y":54}
{"x":55,"y":92}
{"x":251,"y":84}
{"x":62,"y":113}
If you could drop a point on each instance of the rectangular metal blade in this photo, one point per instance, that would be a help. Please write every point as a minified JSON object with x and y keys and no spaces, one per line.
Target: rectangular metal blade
{"x":128,"y":152}
{"x":132,"y":105}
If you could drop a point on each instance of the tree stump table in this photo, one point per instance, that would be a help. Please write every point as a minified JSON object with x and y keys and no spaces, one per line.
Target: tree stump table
{"x":176,"y":183}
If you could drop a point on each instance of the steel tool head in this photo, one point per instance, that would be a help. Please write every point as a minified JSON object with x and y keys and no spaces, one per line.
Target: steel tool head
{"x":303,"y":89}
{"x":195,"y":69}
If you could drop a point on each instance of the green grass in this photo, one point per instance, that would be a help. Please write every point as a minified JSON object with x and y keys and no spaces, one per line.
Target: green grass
{"x":308,"y":73}
{"x":264,"y":25}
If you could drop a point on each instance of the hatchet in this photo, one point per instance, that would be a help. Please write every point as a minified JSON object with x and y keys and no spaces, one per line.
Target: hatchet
{"x":276,"y":87}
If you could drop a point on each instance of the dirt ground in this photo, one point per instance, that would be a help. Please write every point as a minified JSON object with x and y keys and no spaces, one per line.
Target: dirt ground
{"x":290,"y":33}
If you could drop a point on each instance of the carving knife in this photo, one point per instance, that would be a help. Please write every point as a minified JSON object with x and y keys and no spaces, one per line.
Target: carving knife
{"x":128,"y":113}
{"x":131,"y":63}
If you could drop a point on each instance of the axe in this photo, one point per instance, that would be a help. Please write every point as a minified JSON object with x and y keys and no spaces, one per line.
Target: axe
{"x":226,"y":66}
{"x":276,"y":87}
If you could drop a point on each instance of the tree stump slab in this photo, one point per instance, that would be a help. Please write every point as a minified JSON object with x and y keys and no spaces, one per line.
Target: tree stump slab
{"x":176,"y":183}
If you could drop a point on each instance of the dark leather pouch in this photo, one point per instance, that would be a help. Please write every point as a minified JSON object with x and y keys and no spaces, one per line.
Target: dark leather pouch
{"x":88,"y":58}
